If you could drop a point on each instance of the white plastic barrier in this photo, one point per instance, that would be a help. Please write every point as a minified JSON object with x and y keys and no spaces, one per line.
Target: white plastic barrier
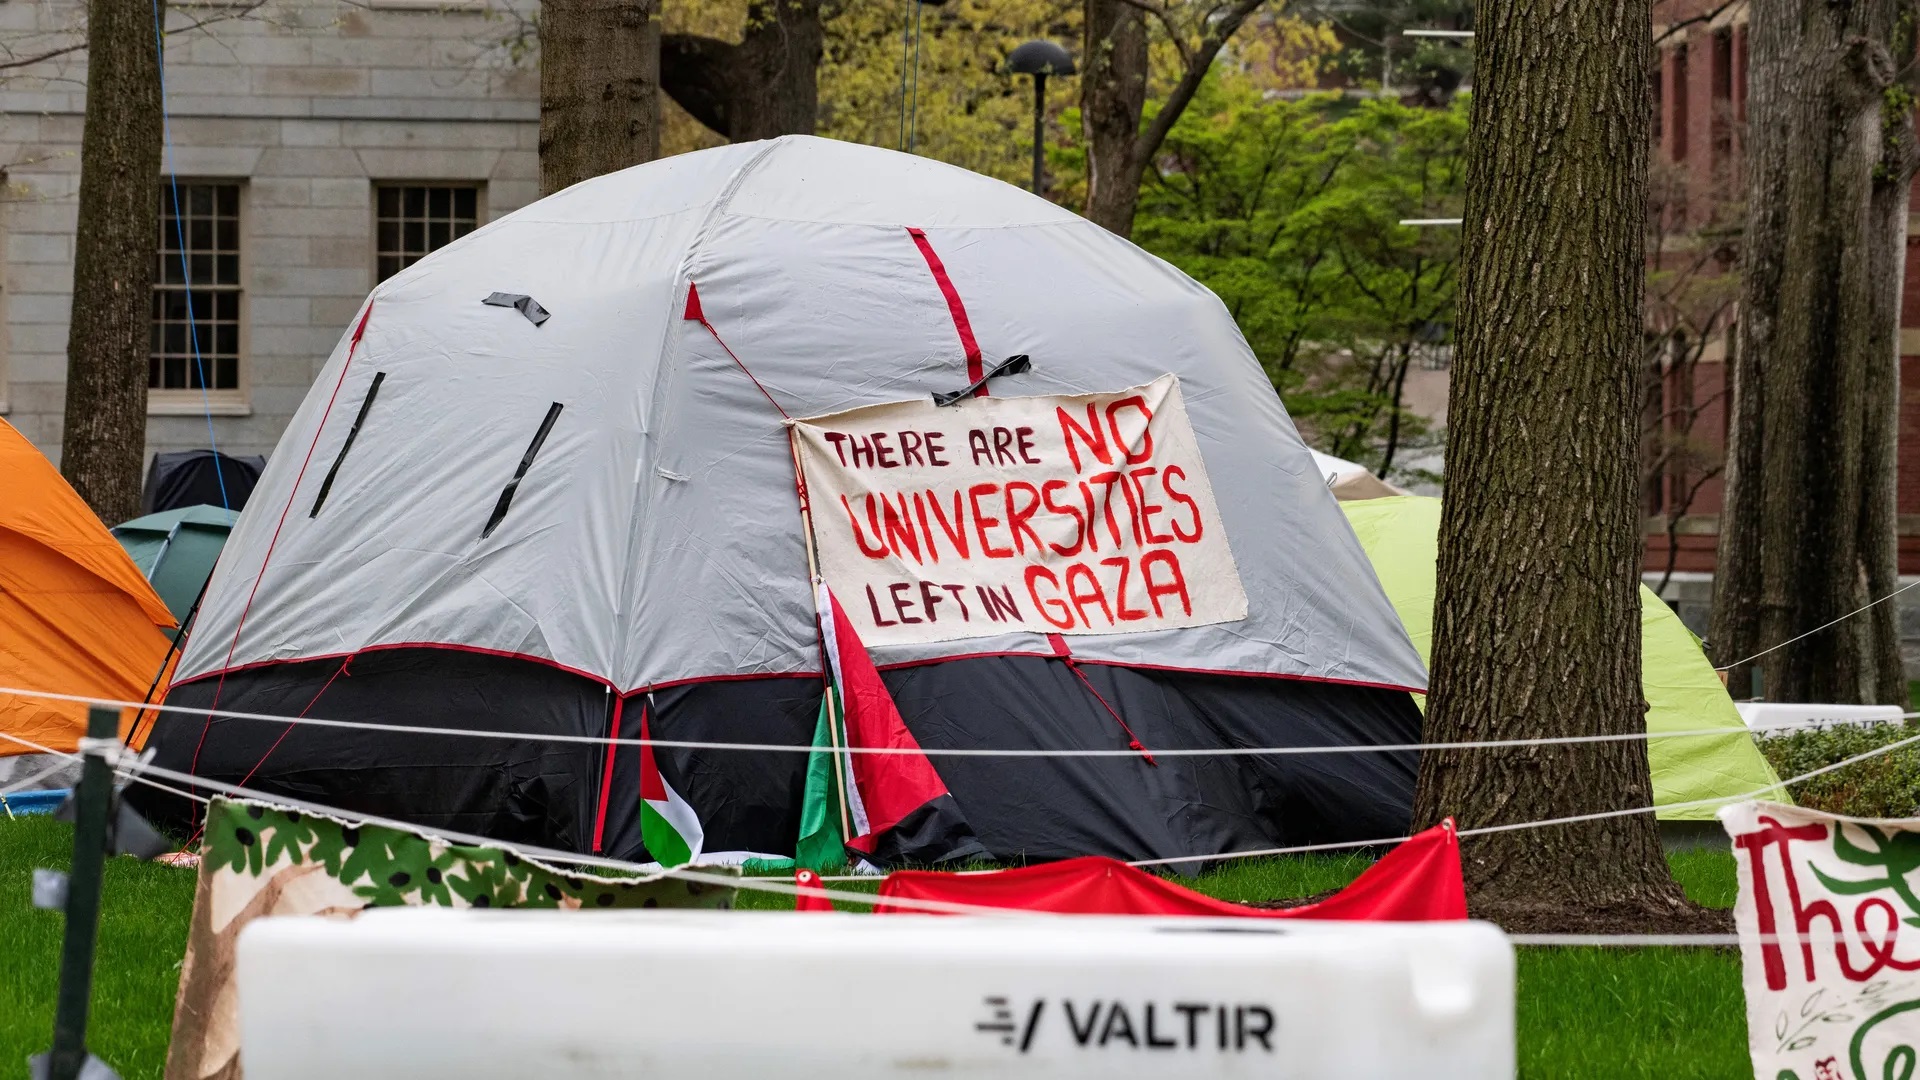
{"x":424,"y":992}
{"x":1772,"y":715}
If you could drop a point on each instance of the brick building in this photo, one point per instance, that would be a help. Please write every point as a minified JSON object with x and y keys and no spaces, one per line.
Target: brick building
{"x":319,"y":147}
{"x":1700,"y":94}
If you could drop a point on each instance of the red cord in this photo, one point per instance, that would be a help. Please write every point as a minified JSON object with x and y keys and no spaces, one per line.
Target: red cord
{"x":358,"y":331}
{"x":697,"y":314}
{"x":1133,"y":741}
{"x":291,"y":724}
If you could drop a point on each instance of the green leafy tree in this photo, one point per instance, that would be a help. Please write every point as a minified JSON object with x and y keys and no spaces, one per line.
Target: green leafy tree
{"x":1375,"y":49}
{"x":1290,"y":210}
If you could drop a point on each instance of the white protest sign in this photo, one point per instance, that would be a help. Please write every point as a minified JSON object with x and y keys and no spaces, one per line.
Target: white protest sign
{"x":1829,"y":927}
{"x":1082,"y":514}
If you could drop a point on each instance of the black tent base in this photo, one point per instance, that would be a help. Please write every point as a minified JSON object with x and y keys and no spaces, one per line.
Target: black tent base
{"x":1011,"y":809}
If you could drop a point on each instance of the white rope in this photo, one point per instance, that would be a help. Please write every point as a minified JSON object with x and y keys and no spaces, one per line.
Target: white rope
{"x":1301,"y":849}
{"x":643,"y":872}
{"x":761,"y":884}
{"x":1821,"y":627}
{"x":1571,"y":819}
{"x":799,"y":748}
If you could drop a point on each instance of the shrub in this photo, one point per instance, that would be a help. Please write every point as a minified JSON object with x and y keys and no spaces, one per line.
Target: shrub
{"x":1885,"y":786}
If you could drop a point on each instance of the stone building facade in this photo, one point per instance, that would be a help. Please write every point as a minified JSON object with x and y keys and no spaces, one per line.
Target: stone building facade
{"x":316,"y":147}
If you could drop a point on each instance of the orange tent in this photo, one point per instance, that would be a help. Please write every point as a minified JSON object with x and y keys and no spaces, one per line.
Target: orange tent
{"x":76,"y":616}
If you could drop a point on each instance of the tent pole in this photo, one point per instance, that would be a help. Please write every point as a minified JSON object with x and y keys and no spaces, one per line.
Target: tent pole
{"x":826,"y":662}
{"x":179,"y":640}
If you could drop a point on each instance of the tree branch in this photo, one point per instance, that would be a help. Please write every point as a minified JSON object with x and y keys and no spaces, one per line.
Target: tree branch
{"x":1220,"y":29}
{"x":1706,"y":16}
{"x":1165,"y":17}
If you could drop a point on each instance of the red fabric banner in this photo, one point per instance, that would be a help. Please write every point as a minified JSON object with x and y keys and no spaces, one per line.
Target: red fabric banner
{"x":1419,"y":881}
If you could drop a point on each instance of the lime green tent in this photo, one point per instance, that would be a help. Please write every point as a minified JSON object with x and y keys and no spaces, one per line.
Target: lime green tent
{"x":176,"y":550}
{"x":1401,"y":536}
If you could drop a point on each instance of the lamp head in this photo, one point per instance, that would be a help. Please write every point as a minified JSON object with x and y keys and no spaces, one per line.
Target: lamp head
{"x":1041,"y":58}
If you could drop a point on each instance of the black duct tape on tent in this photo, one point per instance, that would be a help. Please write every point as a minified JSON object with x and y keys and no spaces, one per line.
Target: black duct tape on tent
{"x":1012,"y":365}
{"x":521,"y":302}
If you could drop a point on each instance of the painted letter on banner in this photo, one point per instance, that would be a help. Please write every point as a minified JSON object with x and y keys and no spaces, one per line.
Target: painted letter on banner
{"x":1080,"y":514}
{"x":1829,"y":923}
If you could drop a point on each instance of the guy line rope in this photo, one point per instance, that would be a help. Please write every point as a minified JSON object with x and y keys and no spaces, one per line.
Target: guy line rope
{"x":145,"y":773}
{"x":803,"y":748}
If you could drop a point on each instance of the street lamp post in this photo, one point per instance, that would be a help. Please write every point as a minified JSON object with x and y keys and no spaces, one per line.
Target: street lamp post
{"x":1040,"y":59}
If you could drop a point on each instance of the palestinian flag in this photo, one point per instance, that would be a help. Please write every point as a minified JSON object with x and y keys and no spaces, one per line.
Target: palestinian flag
{"x":822,"y":844}
{"x":668,"y":826}
{"x":886,"y":794}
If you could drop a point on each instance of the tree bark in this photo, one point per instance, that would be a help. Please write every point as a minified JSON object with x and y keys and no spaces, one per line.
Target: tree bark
{"x":1808,"y":530}
{"x":115,"y":246}
{"x":1537,"y":614}
{"x":1113,"y":93}
{"x":764,"y":87}
{"x":599,"y":88}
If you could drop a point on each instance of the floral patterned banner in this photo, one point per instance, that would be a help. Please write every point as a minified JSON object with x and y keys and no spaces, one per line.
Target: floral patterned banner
{"x":1832,"y":982}
{"x":261,"y":860}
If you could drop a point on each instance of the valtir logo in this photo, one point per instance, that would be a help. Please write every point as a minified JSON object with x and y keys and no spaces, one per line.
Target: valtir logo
{"x":1095,"y":1023}
{"x":1082,"y":514}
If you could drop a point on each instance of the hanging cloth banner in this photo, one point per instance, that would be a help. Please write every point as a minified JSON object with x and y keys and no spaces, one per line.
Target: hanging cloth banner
{"x":1836,"y":994}
{"x":1078,"y":514}
{"x":1419,"y":881}
{"x":261,"y":860}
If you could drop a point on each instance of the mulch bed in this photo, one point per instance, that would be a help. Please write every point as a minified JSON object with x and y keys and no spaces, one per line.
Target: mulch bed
{"x":1685,"y":918}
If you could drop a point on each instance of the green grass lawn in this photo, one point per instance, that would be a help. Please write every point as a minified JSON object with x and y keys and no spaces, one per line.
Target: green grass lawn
{"x":1601,"y":1013}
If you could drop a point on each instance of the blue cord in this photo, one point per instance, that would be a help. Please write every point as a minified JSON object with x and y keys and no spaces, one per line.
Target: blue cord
{"x":186,"y":273}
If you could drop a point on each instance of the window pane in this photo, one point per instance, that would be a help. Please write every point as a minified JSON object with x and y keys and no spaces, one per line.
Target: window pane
{"x":197,"y":335}
{"x":417,"y":219}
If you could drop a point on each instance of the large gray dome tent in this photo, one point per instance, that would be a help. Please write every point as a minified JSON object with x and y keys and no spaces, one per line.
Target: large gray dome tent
{"x":575,"y":506}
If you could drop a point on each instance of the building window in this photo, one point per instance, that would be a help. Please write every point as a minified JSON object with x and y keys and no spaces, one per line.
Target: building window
{"x":1682,"y":90}
{"x":1721,"y":121}
{"x":414,"y":220}
{"x":195,"y":343}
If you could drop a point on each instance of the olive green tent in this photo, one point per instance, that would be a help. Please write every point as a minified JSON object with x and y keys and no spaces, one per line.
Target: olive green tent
{"x":1401,"y":536}
{"x":176,"y":550}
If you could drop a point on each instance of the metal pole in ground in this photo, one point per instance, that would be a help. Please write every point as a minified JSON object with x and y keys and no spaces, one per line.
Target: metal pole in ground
{"x":1040,"y":134}
{"x":92,"y":802}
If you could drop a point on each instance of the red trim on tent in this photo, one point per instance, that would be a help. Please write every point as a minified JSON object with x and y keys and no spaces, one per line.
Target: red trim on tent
{"x":901,"y":664}
{"x":606,"y":771}
{"x":345,"y":365}
{"x":1363,"y":684}
{"x":1418,"y":881}
{"x":975,"y":371}
{"x":741,"y":677}
{"x":502,"y":653}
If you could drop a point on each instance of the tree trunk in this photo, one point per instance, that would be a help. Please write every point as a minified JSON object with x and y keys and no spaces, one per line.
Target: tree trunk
{"x":1537,"y":614}
{"x":115,"y":247}
{"x":764,"y":87}
{"x":1808,"y":529}
{"x":1113,"y":92}
{"x":599,"y":88}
